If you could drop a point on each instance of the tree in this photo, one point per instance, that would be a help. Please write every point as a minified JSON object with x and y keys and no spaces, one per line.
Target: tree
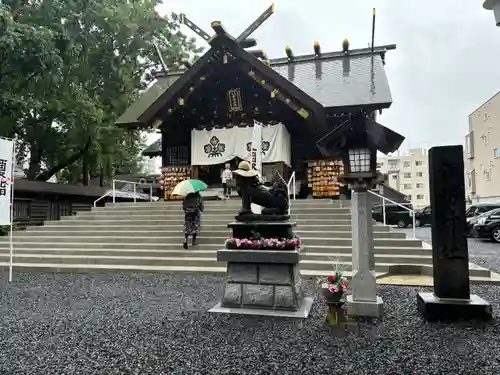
{"x":99,"y":55}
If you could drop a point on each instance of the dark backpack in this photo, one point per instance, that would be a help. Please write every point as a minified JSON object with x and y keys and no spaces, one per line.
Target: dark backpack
{"x":191,"y":207}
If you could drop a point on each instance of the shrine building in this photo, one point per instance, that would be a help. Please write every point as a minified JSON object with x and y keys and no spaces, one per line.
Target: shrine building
{"x":205,"y":112}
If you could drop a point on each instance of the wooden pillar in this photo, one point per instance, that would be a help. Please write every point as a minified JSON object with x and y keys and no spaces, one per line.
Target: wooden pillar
{"x":164,"y":146}
{"x":195,"y":171}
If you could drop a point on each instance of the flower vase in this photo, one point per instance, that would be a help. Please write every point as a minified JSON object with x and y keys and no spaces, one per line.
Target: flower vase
{"x":332,"y":297}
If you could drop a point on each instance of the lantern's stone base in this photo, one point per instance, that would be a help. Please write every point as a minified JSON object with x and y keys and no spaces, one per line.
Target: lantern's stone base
{"x":446,"y":309}
{"x":365,"y":309}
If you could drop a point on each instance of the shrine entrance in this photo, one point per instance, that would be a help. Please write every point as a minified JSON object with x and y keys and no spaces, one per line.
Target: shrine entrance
{"x":211,"y":174}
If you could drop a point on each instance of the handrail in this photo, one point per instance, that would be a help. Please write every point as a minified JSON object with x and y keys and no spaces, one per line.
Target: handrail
{"x":135,"y":189}
{"x":291,"y":181}
{"x":102,"y":197}
{"x":397,"y":204}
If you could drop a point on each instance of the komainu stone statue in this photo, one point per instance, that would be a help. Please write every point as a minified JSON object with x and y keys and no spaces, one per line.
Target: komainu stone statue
{"x":275,"y":200}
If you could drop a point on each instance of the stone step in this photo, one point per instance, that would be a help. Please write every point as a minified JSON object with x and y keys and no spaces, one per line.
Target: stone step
{"x":325,"y":265}
{"x":212,"y":254}
{"x":31,"y":246}
{"x":91,"y":226}
{"x":159,"y":221}
{"x":233,"y":203}
{"x":477,"y":276}
{"x":158,"y":240}
{"x":209,"y":215}
{"x":181,"y":263}
{"x":217,"y":232}
{"x":228,"y":210}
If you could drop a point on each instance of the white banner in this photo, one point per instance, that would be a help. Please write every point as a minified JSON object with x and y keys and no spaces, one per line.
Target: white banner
{"x":6,"y":177}
{"x":256,"y":156}
{"x":218,"y":146}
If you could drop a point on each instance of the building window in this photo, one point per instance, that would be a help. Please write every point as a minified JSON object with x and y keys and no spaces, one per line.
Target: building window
{"x":420,"y":197}
{"x":471,"y":181}
{"x":487,"y":175}
{"x":420,"y":186}
{"x":408,"y":197}
{"x":469,"y":145}
{"x":420,"y":174}
{"x":496,"y":152}
{"x":393,"y":166}
{"x":419,"y":163}
{"x":407,"y":186}
{"x":380,"y":165}
{"x":486,"y":117}
{"x":406,"y":164}
{"x":407,"y":175}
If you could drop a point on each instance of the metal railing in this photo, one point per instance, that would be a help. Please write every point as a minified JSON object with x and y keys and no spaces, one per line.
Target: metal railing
{"x":102,"y":197}
{"x":411,"y":212}
{"x":291,"y":182}
{"x":134,"y":191}
{"x":113,"y":191}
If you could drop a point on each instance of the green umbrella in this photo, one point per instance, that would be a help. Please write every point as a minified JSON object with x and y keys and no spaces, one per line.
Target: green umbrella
{"x":189,"y":186}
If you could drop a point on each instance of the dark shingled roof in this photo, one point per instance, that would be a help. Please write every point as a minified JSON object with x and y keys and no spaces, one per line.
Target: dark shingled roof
{"x":154,"y":149}
{"x":335,"y":80}
{"x":346,"y":81}
{"x":131,"y":115}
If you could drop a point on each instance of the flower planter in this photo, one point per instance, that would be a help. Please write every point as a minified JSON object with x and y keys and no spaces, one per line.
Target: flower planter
{"x":332,"y":297}
{"x":289,"y":244}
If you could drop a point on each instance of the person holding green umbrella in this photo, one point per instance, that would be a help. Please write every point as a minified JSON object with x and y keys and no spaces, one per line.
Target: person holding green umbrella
{"x":193,"y":207}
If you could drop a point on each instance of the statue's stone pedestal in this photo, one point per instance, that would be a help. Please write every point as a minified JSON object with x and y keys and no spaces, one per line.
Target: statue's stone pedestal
{"x":446,"y":309}
{"x":262,"y":282}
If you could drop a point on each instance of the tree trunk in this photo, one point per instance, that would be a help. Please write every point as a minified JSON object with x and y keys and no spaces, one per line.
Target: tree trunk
{"x":35,"y":162}
{"x":73,"y":158}
{"x":101,"y":178}
{"x":85,"y":173}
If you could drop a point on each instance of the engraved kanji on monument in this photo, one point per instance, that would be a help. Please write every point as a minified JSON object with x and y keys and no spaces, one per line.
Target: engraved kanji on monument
{"x":451,"y":299}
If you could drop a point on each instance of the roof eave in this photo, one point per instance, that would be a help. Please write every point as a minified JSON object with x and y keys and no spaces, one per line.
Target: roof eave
{"x":355,"y":108}
{"x":332,"y":55}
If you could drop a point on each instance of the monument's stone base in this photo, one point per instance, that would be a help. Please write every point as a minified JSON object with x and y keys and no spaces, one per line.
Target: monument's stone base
{"x":301,"y":313}
{"x":444,"y":309}
{"x":365,"y":309}
{"x":251,"y":283}
{"x":262,"y":282}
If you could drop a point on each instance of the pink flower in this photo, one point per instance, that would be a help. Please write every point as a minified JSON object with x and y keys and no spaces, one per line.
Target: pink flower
{"x":331,"y":278}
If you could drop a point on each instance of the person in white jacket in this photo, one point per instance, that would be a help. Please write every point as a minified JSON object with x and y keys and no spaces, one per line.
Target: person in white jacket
{"x":226,"y":175}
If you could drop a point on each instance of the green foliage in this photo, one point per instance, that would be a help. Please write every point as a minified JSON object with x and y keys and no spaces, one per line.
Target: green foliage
{"x":68,"y":69}
{"x":4,"y":230}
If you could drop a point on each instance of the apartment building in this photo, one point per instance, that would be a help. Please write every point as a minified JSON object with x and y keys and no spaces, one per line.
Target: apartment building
{"x":408,"y":173}
{"x":482,"y":153}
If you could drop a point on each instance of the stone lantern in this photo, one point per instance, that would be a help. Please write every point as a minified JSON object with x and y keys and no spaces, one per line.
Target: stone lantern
{"x":357,"y":141}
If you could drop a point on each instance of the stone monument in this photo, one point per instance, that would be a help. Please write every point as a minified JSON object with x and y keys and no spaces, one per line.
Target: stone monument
{"x":263,"y":274}
{"x":451,"y":299}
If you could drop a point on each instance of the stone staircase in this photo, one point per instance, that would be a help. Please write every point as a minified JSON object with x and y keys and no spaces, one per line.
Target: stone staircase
{"x":148,"y":237}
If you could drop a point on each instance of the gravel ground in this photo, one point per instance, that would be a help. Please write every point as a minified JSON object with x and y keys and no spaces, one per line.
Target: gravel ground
{"x":481,"y":252}
{"x":158,"y":324}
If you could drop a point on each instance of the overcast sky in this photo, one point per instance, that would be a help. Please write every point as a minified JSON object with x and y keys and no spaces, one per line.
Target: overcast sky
{"x":446,"y":64}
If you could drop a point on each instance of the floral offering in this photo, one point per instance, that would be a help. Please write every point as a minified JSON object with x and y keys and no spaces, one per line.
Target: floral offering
{"x":335,"y":286}
{"x":259,"y":243}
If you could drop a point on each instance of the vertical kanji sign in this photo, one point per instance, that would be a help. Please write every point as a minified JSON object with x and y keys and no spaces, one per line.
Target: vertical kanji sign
{"x":6,"y":177}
